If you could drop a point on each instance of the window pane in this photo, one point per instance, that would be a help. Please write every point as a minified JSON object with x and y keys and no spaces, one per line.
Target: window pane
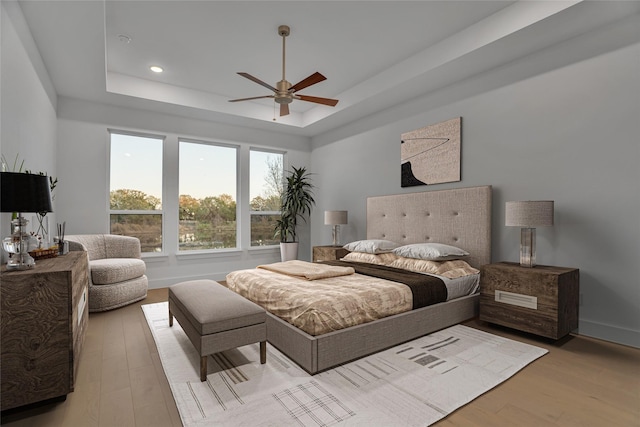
{"x":265,"y":189}
{"x":262,"y":229}
{"x":136,"y":185}
{"x":136,"y":173}
{"x":146,"y":227}
{"x":207,"y":206}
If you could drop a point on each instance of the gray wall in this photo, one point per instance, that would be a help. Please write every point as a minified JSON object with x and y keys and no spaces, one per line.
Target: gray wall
{"x":28,"y":123}
{"x":569,"y":134}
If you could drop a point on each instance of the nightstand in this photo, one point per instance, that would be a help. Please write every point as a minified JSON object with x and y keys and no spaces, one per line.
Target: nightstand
{"x":328,"y":253}
{"x":542,"y":300}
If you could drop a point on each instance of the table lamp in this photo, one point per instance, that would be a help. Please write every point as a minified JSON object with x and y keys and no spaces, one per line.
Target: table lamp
{"x":335,"y":218}
{"x":22,"y":192}
{"x":528,"y":215}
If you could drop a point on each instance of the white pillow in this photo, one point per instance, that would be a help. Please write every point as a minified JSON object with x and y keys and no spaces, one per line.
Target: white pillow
{"x":374,"y":246}
{"x":430,"y":251}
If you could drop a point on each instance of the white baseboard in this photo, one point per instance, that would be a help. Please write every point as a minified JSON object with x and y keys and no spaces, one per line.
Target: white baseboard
{"x":611,"y":333}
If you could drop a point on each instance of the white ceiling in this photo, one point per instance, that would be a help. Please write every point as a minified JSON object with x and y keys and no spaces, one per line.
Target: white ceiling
{"x":375,"y":54}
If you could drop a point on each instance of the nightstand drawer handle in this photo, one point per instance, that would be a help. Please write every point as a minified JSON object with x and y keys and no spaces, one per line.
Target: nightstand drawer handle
{"x":517,"y":299}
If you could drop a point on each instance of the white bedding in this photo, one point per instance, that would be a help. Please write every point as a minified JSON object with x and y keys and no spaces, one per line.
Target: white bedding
{"x":461,"y":286}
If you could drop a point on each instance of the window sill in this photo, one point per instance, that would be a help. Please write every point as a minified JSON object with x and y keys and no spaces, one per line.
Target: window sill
{"x":154,"y":256}
{"x":273,"y":248}
{"x":207,"y":254}
{"x":219,"y":253}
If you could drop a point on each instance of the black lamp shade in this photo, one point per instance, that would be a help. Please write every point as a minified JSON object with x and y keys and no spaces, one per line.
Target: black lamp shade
{"x":24,"y":192}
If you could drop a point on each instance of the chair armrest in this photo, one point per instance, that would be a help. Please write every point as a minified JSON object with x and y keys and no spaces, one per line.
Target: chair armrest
{"x":76,"y":246}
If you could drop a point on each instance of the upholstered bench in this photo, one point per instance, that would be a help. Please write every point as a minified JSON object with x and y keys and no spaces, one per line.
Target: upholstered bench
{"x":216,"y":319}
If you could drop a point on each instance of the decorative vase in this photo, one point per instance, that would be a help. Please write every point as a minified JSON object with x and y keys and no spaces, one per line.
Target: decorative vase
{"x":288,"y":251}
{"x":40,"y":225}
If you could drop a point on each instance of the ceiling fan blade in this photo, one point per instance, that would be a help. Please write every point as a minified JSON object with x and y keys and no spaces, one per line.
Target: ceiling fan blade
{"x":284,"y":110}
{"x":311,"y":80}
{"x":257,"y":80}
{"x":253,"y":97}
{"x":317,"y":100}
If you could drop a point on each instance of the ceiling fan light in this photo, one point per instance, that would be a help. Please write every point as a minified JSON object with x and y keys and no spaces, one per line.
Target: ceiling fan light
{"x":284,"y":99}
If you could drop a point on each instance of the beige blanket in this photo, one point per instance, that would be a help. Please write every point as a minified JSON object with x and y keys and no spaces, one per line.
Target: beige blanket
{"x":324,"y":305}
{"x":307,"y":270}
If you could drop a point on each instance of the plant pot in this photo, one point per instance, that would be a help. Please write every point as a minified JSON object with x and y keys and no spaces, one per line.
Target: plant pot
{"x":288,"y":251}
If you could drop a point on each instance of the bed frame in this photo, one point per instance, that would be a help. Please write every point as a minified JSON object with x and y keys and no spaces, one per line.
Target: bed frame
{"x":459,"y":217}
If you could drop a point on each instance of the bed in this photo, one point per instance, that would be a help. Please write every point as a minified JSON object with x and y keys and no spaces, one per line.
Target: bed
{"x":458,"y":217}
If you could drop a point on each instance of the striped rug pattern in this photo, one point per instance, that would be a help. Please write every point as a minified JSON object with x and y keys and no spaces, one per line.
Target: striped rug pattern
{"x":413,"y":384}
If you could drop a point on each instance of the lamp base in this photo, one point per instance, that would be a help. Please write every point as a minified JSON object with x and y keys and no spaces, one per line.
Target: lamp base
{"x":336,"y":229}
{"x":527,"y":247}
{"x":18,"y":246}
{"x":21,"y":262}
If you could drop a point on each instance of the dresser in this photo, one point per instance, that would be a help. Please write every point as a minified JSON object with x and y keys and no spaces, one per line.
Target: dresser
{"x":44,"y":317}
{"x":541,"y":300}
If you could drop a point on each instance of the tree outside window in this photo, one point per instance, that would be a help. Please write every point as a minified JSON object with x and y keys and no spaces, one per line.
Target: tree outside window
{"x":207,"y":202}
{"x":266,"y":186}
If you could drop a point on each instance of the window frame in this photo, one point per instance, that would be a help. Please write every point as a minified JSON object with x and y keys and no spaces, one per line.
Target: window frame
{"x":170,"y":201}
{"x":238,"y":247}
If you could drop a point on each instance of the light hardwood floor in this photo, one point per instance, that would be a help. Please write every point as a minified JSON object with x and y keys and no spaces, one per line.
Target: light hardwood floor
{"x":580,"y":382}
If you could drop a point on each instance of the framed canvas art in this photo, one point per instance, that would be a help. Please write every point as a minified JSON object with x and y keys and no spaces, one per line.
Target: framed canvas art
{"x":431,"y":155}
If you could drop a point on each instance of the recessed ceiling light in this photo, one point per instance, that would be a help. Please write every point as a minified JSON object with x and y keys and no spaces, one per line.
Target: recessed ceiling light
{"x":156,"y":69}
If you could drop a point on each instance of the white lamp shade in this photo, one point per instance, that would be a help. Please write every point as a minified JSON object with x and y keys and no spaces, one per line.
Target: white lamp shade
{"x":335,"y":217}
{"x":529,"y":214}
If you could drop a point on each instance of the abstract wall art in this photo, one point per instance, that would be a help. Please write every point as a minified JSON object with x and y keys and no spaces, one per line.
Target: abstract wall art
{"x":431,"y":155}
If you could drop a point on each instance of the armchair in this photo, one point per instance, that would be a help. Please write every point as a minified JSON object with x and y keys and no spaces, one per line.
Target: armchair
{"x":116,"y":270}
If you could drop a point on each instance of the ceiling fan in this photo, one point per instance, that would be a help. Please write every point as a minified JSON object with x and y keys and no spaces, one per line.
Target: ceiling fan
{"x":285,"y":92}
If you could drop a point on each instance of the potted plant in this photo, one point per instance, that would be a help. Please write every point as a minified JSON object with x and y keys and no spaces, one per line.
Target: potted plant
{"x":297,"y":201}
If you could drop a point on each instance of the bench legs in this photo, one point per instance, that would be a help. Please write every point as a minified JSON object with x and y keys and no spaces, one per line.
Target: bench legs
{"x":203,"y":368}
{"x":203,"y":360}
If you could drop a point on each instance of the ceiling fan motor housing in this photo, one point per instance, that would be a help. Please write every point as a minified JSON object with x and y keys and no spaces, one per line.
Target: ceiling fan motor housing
{"x":283,"y":96}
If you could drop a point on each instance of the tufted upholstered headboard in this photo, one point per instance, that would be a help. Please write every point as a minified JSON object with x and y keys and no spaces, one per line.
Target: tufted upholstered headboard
{"x":459,"y":217}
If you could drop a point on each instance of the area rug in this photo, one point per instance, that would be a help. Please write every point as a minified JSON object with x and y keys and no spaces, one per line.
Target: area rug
{"x":413,"y":384}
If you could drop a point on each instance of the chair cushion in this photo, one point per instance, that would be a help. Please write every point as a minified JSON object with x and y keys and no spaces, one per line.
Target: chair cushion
{"x":103,"y":298}
{"x":113,"y":270}
{"x":212,"y":308}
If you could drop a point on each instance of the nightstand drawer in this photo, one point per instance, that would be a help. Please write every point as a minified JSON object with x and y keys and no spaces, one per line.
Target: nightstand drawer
{"x":542,"y":300}
{"x":535,"y":321}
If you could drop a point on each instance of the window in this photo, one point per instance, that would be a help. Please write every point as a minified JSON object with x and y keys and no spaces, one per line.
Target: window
{"x":207,"y":189}
{"x":135,"y":191}
{"x":266,"y":171}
